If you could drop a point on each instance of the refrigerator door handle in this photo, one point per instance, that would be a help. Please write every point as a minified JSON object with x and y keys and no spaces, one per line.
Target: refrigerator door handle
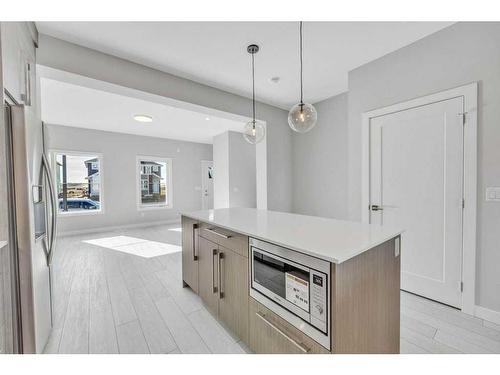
{"x":53,"y":201}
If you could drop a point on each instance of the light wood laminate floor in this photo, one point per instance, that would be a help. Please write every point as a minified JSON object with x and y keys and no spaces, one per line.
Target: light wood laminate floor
{"x":112,"y":301}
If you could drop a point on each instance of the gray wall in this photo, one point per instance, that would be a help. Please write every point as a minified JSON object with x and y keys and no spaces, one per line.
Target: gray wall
{"x":320,"y":163}
{"x":119,"y":175}
{"x":457,"y":55}
{"x":72,"y":58}
{"x":234,"y":167}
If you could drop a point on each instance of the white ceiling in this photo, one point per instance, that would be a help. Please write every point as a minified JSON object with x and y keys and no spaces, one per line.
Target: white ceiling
{"x":75,"y":105}
{"x":214,"y":53}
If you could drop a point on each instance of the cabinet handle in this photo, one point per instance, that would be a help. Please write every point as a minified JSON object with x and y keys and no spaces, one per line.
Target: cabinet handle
{"x":220,"y":256}
{"x":217,"y":233}
{"x":214,"y":288}
{"x":195,"y":227}
{"x":301,"y":347}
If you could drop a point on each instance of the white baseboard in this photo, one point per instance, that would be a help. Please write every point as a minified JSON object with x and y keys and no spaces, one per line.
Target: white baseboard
{"x":116,"y":227}
{"x":487,"y":314}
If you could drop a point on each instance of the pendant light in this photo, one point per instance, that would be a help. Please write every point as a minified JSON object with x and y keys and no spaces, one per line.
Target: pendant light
{"x":303,"y":116}
{"x":254,"y":131}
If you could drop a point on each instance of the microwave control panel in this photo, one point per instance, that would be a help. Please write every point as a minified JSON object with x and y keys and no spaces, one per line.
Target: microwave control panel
{"x":319,"y":300}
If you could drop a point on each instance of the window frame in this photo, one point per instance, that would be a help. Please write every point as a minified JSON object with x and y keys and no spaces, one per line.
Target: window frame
{"x":53,"y":161}
{"x":168,"y":183}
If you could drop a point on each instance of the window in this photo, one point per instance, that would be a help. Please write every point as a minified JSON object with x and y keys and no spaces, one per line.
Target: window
{"x":78,"y":181}
{"x":154,"y":182}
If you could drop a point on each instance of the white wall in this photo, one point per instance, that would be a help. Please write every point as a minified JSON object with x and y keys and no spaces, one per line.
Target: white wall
{"x":119,"y":175}
{"x":235,"y":171}
{"x":242,"y":181}
{"x":320,"y":163}
{"x":72,"y":58}
{"x":457,"y":55}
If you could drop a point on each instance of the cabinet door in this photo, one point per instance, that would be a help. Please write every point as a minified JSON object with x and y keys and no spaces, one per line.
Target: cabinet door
{"x":270,"y":334}
{"x":208,"y":274}
{"x":233,"y":296}
{"x":190,"y":253}
{"x":18,"y":61}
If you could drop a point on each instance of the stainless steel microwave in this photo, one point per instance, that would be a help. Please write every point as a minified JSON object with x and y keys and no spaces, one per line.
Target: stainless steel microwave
{"x":293,"y":285}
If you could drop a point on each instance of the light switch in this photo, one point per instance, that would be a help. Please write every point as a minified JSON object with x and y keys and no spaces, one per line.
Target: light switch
{"x":493,"y":194}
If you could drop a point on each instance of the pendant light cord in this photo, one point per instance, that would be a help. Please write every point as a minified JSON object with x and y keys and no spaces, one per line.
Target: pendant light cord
{"x":300,"y":47}
{"x":253,"y":88}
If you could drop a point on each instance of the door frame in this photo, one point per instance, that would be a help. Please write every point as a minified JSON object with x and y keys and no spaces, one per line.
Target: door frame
{"x":469,"y":94}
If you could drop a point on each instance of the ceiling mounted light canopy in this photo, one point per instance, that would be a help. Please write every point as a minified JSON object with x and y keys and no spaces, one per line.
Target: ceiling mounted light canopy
{"x":303,"y":116}
{"x":143,"y":118}
{"x":254,"y":131}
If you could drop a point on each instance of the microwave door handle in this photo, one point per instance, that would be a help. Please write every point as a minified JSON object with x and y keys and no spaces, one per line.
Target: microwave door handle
{"x":52,"y":194}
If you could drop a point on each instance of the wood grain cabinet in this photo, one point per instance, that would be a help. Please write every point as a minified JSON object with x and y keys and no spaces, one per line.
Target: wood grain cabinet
{"x":363,"y":291}
{"x":208,"y":272}
{"x":190,"y":253}
{"x":270,"y":334}
{"x":233,"y":298}
{"x":217,"y":264}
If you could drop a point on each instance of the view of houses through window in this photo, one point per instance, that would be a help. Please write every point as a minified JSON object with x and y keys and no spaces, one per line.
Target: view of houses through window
{"x":78,"y":181}
{"x":153,"y":181}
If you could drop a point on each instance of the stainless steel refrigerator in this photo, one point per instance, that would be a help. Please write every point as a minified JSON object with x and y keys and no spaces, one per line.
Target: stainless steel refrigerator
{"x":32,"y":206}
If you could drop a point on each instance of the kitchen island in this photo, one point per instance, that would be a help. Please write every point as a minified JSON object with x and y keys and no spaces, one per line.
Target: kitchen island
{"x":287,"y":283}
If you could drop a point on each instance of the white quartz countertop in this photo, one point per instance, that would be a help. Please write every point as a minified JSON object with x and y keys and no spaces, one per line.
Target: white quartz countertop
{"x":333,"y":240}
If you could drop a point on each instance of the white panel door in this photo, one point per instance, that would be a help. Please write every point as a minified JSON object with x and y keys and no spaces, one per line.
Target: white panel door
{"x":416,"y":179}
{"x":207,"y":185}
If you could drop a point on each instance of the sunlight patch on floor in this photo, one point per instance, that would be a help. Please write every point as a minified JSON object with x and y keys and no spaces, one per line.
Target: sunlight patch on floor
{"x":175,"y":229}
{"x":135,"y":246}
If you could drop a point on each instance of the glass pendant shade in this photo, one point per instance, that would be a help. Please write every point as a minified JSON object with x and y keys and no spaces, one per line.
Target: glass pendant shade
{"x":254,"y":132}
{"x":302,"y":117}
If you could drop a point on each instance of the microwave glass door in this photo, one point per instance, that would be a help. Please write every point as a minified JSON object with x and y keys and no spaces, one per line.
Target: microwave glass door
{"x":284,"y":279}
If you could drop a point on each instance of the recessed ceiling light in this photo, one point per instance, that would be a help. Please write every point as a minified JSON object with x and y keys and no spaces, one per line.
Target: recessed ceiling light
{"x":275,"y":79}
{"x":207,"y":118}
{"x":143,"y":118}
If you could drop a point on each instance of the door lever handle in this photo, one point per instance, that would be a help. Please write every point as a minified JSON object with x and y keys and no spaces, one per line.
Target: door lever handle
{"x":374,"y":207}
